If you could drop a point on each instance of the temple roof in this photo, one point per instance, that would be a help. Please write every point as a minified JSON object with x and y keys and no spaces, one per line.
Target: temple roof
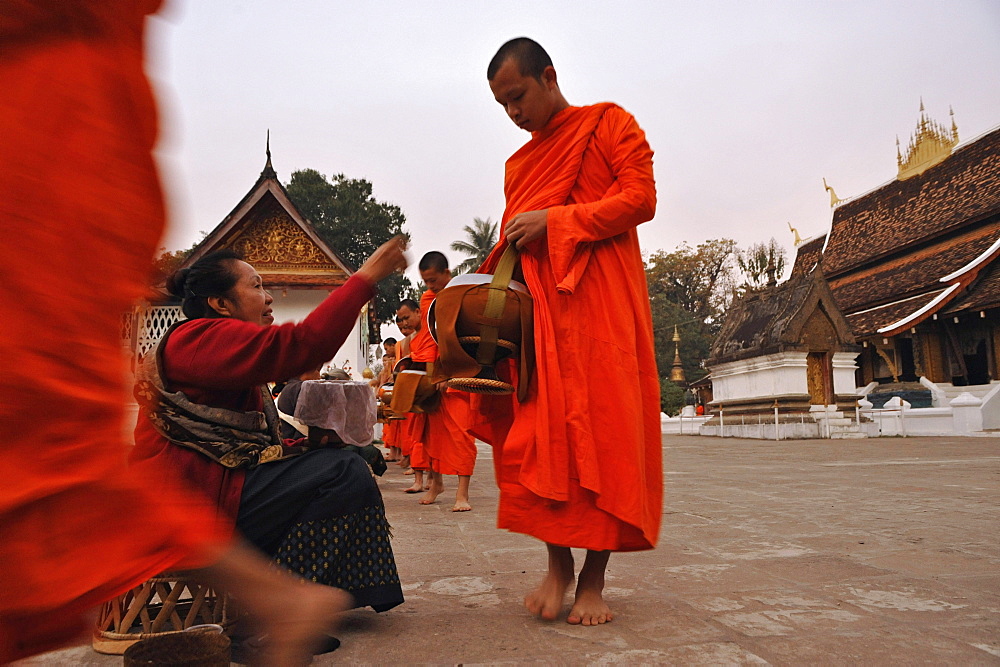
{"x":807,"y":254}
{"x":272,"y":235}
{"x":983,"y":293}
{"x":775,"y":319}
{"x":960,"y":191}
{"x":911,"y":248}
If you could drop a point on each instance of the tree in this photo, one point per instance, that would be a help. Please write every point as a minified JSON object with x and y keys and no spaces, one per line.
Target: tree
{"x":481,"y":238}
{"x":699,"y":280}
{"x":352,"y":222}
{"x":689,"y":288}
{"x":761,"y":263}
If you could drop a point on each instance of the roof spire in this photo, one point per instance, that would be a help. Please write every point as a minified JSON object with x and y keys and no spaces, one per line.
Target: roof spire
{"x":931,"y":143}
{"x":677,"y":371}
{"x":268,"y":169}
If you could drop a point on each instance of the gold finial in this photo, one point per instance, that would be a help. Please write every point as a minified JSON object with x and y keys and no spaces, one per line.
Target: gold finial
{"x":834,"y":199}
{"x":268,"y":169}
{"x":677,"y":370}
{"x":929,"y":145}
{"x":798,"y":239}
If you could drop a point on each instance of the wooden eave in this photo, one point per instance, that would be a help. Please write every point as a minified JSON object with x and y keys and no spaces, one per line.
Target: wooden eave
{"x":265,"y":185}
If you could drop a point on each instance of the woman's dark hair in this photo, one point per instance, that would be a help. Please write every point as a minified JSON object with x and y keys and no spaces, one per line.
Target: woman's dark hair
{"x":212,"y":275}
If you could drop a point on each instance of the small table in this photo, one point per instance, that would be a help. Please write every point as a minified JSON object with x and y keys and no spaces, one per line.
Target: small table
{"x":340,"y":411}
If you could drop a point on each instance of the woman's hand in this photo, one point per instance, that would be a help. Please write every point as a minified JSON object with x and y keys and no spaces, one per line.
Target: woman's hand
{"x":388,"y":259}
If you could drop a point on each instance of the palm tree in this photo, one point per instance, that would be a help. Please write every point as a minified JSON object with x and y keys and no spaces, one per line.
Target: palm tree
{"x":482,"y":236}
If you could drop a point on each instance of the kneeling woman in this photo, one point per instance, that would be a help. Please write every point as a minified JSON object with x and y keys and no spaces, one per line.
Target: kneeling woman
{"x":207,"y":418}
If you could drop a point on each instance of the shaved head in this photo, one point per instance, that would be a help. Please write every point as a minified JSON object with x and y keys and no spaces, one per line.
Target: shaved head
{"x":433,"y":260}
{"x":529,"y":55}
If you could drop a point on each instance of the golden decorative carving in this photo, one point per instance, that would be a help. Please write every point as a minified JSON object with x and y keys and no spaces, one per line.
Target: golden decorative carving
{"x":834,"y":199}
{"x":798,"y":239}
{"x":930,"y":144}
{"x":277,"y":242}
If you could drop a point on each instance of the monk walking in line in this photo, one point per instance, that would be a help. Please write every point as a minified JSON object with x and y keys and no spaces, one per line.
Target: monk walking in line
{"x":414,"y":456}
{"x":451,"y":448}
{"x":578,"y":462}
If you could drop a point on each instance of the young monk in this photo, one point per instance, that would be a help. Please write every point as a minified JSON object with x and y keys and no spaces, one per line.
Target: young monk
{"x":452,"y":450}
{"x":408,"y":320}
{"x":579,"y":462}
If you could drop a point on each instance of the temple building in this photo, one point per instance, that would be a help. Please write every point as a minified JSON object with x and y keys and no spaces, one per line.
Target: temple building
{"x":913,"y":264}
{"x":894,"y":315}
{"x":297,"y":267}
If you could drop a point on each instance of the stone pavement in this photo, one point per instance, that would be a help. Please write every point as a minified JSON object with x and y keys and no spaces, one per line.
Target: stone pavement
{"x":881,"y":551}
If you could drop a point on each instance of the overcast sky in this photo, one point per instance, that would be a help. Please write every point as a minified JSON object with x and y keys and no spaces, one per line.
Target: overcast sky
{"x":747,"y":104}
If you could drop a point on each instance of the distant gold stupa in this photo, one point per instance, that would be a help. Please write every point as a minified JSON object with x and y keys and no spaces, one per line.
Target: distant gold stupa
{"x":930,"y":144}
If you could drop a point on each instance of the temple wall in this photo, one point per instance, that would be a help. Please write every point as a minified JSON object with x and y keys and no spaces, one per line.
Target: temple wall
{"x":298,"y":304}
{"x":844,"y":367}
{"x":769,"y":375}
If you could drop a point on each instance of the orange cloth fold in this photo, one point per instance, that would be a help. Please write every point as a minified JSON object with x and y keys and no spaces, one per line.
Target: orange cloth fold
{"x":579,"y":462}
{"x":423,"y":348}
{"x":82,"y":212}
{"x":441,"y":434}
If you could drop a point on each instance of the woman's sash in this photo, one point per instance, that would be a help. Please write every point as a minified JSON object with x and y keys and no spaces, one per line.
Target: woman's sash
{"x":231,"y":438}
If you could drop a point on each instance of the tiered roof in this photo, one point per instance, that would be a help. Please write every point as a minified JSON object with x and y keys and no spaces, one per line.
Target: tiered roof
{"x":774,"y":319}
{"x":915,"y":247}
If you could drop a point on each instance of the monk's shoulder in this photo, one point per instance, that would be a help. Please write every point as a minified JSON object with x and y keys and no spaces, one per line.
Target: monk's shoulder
{"x":616,"y":121}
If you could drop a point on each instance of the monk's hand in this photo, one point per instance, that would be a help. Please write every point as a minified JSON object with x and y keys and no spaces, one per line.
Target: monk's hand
{"x":524,"y":228}
{"x":389,"y":258}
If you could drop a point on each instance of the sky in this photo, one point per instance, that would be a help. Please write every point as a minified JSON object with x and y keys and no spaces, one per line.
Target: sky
{"x":747,"y":104}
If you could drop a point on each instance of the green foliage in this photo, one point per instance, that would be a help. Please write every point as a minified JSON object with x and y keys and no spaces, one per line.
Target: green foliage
{"x":480,"y":239}
{"x":760,"y":263}
{"x":671,"y":398}
{"x":352,"y":222}
{"x":689,"y":288}
{"x":165,"y":263}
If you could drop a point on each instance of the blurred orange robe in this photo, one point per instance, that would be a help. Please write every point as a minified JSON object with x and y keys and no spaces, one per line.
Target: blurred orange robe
{"x":579,"y":462}
{"x":451,"y":449}
{"x":81,"y":212}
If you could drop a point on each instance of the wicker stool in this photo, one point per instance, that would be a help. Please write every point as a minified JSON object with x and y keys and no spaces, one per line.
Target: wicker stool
{"x":165,"y":604}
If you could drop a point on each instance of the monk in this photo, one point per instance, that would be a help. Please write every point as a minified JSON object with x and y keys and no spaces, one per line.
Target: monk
{"x":578,"y":462}
{"x":451,"y":448}
{"x":82,"y":211}
{"x":389,"y":436}
{"x":408,"y":320}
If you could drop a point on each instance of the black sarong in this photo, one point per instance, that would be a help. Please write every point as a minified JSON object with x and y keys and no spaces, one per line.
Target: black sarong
{"x":321,"y":516}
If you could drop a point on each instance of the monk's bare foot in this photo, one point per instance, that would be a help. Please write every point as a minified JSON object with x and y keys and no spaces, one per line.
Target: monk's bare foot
{"x":416,"y":488}
{"x":301,"y":623}
{"x":461,"y":506}
{"x":589,"y":608}
{"x":546,"y":601}
{"x":408,"y":471}
{"x":404,"y":462}
{"x":435,"y":490}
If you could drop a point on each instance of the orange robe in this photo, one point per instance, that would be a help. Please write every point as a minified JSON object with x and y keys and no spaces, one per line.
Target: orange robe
{"x":81,"y":212}
{"x":449,"y":446}
{"x":579,"y":462}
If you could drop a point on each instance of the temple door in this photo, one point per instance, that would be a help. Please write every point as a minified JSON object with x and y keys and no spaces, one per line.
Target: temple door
{"x":819,"y":378}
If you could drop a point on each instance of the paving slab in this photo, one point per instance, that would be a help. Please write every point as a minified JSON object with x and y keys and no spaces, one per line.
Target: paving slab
{"x":840,"y":552}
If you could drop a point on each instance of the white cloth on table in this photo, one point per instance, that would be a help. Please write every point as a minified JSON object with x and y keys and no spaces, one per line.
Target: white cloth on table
{"x":345,"y":407}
